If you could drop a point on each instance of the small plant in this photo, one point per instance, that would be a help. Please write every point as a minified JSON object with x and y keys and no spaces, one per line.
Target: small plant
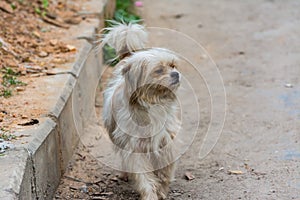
{"x":38,"y":11}
{"x":109,"y":55}
{"x":13,"y":6}
{"x":9,"y":80}
{"x":9,"y":71}
{"x":6,"y":136}
{"x":42,"y":10}
{"x":6,"y":93}
{"x":124,"y":13}
{"x":45,"y":4}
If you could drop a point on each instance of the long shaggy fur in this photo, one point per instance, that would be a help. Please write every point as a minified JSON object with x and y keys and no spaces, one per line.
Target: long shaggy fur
{"x":125,"y":38}
{"x":140,"y":113}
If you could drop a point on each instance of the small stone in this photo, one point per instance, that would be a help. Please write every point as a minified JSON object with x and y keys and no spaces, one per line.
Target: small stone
{"x":53,"y":42}
{"x":20,"y":89}
{"x":24,"y":117}
{"x":288,"y":85}
{"x":71,"y":47}
{"x":36,"y":34}
{"x":189,"y":176}
{"x":59,"y":61}
{"x":43,"y":54}
{"x":84,"y":189}
{"x":178,"y":16}
{"x":73,"y":20}
{"x":176,"y":194}
{"x":235,"y":172}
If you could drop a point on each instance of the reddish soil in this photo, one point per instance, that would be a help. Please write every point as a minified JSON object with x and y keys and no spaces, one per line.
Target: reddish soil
{"x":33,"y":45}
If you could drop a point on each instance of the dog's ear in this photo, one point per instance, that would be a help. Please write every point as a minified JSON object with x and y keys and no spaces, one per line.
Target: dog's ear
{"x":134,"y":75}
{"x":130,"y":81}
{"x":126,"y":69}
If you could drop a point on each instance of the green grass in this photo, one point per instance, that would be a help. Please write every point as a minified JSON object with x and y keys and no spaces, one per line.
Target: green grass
{"x":7,"y":136}
{"x":43,"y":9}
{"x":9,"y":81}
{"x":125,"y":11}
{"x":45,"y":4}
{"x":13,"y":6}
{"x":6,"y":93}
{"x":10,"y":78}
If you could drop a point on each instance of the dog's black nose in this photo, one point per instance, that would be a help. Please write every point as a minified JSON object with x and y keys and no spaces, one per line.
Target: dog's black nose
{"x":175,"y":75}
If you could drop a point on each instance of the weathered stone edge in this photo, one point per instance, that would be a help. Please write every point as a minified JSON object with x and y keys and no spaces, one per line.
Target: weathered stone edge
{"x":42,"y":163}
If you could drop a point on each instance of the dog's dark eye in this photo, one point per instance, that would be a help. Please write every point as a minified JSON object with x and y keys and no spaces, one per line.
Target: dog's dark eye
{"x":159,"y":71}
{"x":172,"y":65}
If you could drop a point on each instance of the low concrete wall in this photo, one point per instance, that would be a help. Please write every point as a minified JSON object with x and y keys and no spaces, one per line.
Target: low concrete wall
{"x":33,"y":171}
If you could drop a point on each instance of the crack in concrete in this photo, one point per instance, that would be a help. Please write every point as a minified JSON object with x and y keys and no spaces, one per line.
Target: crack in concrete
{"x":33,"y":179}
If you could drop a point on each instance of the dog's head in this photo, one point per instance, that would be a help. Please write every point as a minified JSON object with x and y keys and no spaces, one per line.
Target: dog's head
{"x":151,"y":76}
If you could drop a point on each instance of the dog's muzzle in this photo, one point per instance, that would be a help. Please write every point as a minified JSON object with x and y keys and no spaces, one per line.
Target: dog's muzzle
{"x":175,"y":77}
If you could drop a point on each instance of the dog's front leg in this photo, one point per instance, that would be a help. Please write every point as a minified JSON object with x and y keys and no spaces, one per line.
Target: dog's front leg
{"x":166,"y":175}
{"x":146,"y":184}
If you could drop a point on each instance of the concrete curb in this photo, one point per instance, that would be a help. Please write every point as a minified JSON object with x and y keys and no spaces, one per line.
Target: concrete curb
{"x":33,"y":171}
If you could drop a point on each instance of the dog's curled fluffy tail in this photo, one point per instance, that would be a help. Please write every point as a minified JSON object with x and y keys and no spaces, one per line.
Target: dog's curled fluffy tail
{"x":125,"y":38}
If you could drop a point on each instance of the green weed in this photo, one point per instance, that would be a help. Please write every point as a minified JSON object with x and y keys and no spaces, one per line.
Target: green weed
{"x":43,"y":9}
{"x":6,"y":136}
{"x":6,"y":93}
{"x":13,"y":6}
{"x":124,"y":13}
{"x":9,"y":80}
{"x":45,"y":4}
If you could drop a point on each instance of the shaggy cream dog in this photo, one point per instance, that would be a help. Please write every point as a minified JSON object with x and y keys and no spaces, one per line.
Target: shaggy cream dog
{"x":140,"y":109}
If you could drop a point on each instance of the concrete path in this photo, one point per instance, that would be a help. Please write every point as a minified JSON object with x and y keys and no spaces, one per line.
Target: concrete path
{"x":255,"y":45}
{"x":257,"y":156}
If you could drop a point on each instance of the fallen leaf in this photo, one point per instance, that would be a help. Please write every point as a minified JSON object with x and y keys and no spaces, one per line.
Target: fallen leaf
{"x":176,"y":194}
{"x":115,"y":179}
{"x":71,"y":47}
{"x":107,"y":193}
{"x":43,"y":54}
{"x":59,"y":60}
{"x":30,"y":123}
{"x":55,"y":23}
{"x":51,"y":15}
{"x":53,"y":42}
{"x":73,"y":20}
{"x":20,"y":89}
{"x":24,"y":117}
{"x":178,"y":16}
{"x":97,"y":197}
{"x":288,"y":85}
{"x":189,"y":176}
{"x":235,"y":172}
{"x":36,"y":34}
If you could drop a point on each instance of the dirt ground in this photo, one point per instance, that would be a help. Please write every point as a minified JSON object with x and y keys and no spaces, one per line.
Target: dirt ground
{"x":33,"y":47}
{"x":257,"y":156}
